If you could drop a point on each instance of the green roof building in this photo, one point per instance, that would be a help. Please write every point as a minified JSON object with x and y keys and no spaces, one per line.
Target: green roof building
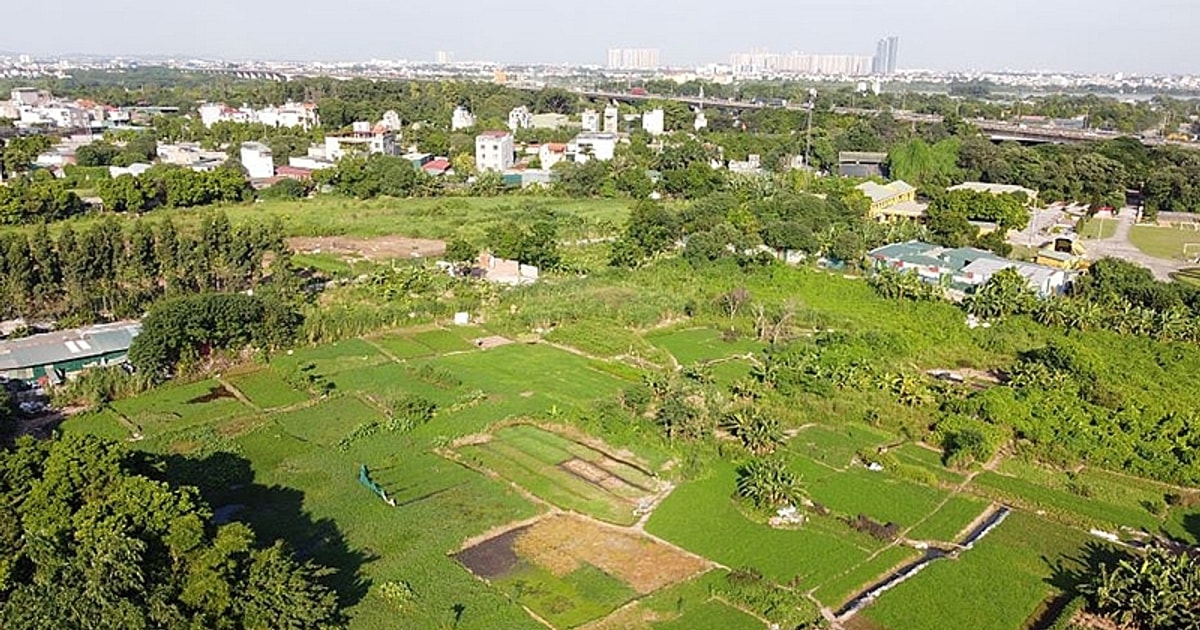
{"x":55,"y":356}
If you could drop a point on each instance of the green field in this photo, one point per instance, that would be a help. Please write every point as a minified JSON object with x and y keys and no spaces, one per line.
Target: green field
{"x":1098,"y":228}
{"x":1190,"y":276}
{"x":1166,"y":243}
{"x":839,"y":589}
{"x":177,"y":407}
{"x":997,"y":585}
{"x":698,"y":345}
{"x":266,"y":389}
{"x":950,"y":520}
{"x":535,"y":460}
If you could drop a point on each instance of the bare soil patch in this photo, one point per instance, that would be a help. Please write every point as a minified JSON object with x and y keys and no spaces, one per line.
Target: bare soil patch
{"x":378,"y":248}
{"x":487,"y":343}
{"x":561,"y":542}
{"x":492,"y":558}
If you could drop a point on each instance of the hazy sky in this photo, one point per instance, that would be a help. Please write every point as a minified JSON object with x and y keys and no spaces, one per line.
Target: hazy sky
{"x":1084,"y":35}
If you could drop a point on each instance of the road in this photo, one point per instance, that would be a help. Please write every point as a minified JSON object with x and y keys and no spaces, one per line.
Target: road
{"x":1119,"y":246}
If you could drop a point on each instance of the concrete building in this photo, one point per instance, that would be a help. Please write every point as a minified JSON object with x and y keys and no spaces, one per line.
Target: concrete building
{"x":494,"y":151}
{"x":633,"y":58}
{"x":966,"y":268}
{"x":504,"y":271}
{"x":762,"y":62}
{"x":590,"y":121}
{"x":1031,"y":195}
{"x":520,"y":118}
{"x":28,"y":96}
{"x":258,"y":160}
{"x":363,"y":139}
{"x":54,"y":357}
{"x":391,"y":121}
{"x":861,"y":164}
{"x":887,"y":55}
{"x":551,"y":153}
{"x":701,"y":121}
{"x":290,"y":115}
{"x":309,"y":163}
{"x":752,"y":165}
{"x":653,"y":122}
{"x":612,"y":119}
{"x":892,"y":201}
{"x":461,"y":119}
{"x":592,"y":146}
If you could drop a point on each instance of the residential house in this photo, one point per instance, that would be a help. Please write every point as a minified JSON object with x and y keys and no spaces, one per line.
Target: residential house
{"x":966,"y":268}
{"x":494,"y":151}
{"x":363,"y":139}
{"x":258,"y":160}
{"x":552,"y":153}
{"x":461,"y":119}
{"x":590,"y":121}
{"x":587,"y":146}
{"x":654,"y":122}
{"x":889,"y":202}
{"x":520,"y":118}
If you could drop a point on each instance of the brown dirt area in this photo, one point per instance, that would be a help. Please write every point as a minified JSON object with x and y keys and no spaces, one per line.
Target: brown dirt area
{"x":561,"y":542}
{"x":630,"y":617}
{"x":492,"y":558}
{"x":378,"y":248}
{"x":487,"y":343}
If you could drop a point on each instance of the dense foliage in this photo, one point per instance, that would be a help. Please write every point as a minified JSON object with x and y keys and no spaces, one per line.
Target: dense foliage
{"x":1157,"y":590}
{"x":92,"y":539}
{"x":184,"y":329}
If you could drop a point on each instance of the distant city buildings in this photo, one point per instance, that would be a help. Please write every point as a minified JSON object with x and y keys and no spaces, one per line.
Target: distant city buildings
{"x":494,"y":151}
{"x":887,"y":54}
{"x":764,"y":62}
{"x":633,"y":58}
{"x":443,"y":58}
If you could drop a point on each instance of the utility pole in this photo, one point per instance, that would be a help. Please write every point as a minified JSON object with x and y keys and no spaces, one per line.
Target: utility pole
{"x":812,"y":104}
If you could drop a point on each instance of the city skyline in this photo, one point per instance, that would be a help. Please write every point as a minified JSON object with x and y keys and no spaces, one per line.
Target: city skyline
{"x":1073,"y":36}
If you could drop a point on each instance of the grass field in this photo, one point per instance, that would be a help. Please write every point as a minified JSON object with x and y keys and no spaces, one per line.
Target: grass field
{"x":1098,"y":228}
{"x":997,"y":585}
{"x":1190,"y":276}
{"x":703,"y":517}
{"x":949,"y":521}
{"x":266,"y":389}
{"x":878,"y":495}
{"x":839,"y":589}
{"x":697,"y":345}
{"x":178,"y":407}
{"x":1166,"y":242}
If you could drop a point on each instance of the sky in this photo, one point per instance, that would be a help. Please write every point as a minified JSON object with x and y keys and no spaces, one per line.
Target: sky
{"x":1094,"y":36}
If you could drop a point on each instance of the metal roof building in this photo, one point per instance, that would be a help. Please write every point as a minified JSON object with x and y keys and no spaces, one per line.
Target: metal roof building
{"x":58,"y":355}
{"x":966,"y":268}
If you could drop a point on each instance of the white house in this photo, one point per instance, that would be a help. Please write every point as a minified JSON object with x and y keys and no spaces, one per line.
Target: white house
{"x":551,"y":153}
{"x":586,"y":146}
{"x":258,"y":160}
{"x":390,"y":121}
{"x":653,"y":122}
{"x":363,"y":139}
{"x":591,"y":121}
{"x":494,"y":151}
{"x":520,"y":118}
{"x":612,"y":118}
{"x":461,"y":119}
{"x":701,"y":120}
{"x":288,"y":115}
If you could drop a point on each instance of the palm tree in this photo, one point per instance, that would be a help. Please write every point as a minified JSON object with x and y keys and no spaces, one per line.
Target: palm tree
{"x":768,"y":483}
{"x":759,"y":433}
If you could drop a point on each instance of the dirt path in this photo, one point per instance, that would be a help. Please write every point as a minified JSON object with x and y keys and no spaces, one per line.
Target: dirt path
{"x":378,"y":248}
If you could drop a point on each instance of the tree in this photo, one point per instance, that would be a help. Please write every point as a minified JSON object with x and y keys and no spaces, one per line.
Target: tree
{"x":93,"y":538}
{"x":99,"y":153}
{"x":760,"y":433}
{"x":1005,"y":293}
{"x":461,"y":251}
{"x":768,"y":483}
{"x":1158,"y":590}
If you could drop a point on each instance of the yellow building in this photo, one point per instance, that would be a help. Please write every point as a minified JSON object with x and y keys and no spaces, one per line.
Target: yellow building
{"x":897,"y":200}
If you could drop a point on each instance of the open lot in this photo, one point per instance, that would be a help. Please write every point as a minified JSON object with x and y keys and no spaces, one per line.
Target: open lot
{"x":571,"y":570}
{"x":1164,"y":242}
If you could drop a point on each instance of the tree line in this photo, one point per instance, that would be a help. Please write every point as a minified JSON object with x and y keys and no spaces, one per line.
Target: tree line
{"x":106,"y":271}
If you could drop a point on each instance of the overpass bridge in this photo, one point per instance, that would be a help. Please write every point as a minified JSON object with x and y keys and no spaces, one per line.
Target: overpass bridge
{"x":997,"y":130}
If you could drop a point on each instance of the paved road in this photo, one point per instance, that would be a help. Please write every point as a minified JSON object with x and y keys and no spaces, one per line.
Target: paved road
{"x":1119,"y":246}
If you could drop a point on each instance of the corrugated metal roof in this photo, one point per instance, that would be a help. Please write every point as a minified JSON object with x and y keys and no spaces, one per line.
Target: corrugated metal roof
{"x":68,"y":345}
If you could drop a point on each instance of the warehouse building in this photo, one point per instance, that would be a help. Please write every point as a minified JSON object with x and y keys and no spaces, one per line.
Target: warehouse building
{"x":54,"y":357}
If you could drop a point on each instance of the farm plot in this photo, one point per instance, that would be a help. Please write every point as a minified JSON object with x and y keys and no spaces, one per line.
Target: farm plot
{"x":266,"y":389}
{"x":838,"y":446}
{"x":331,"y":359}
{"x":327,"y":422}
{"x":570,"y":570}
{"x":686,"y":606}
{"x":703,"y":517}
{"x":997,"y":585}
{"x":568,"y":474}
{"x":878,"y":495}
{"x":174,"y":408}
{"x":949,"y":521}
{"x":698,"y":345}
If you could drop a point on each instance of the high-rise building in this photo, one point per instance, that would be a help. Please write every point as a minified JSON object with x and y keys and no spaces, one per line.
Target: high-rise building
{"x":887,"y":54}
{"x":632,"y":58}
{"x":761,"y":61}
{"x":444,"y":57}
